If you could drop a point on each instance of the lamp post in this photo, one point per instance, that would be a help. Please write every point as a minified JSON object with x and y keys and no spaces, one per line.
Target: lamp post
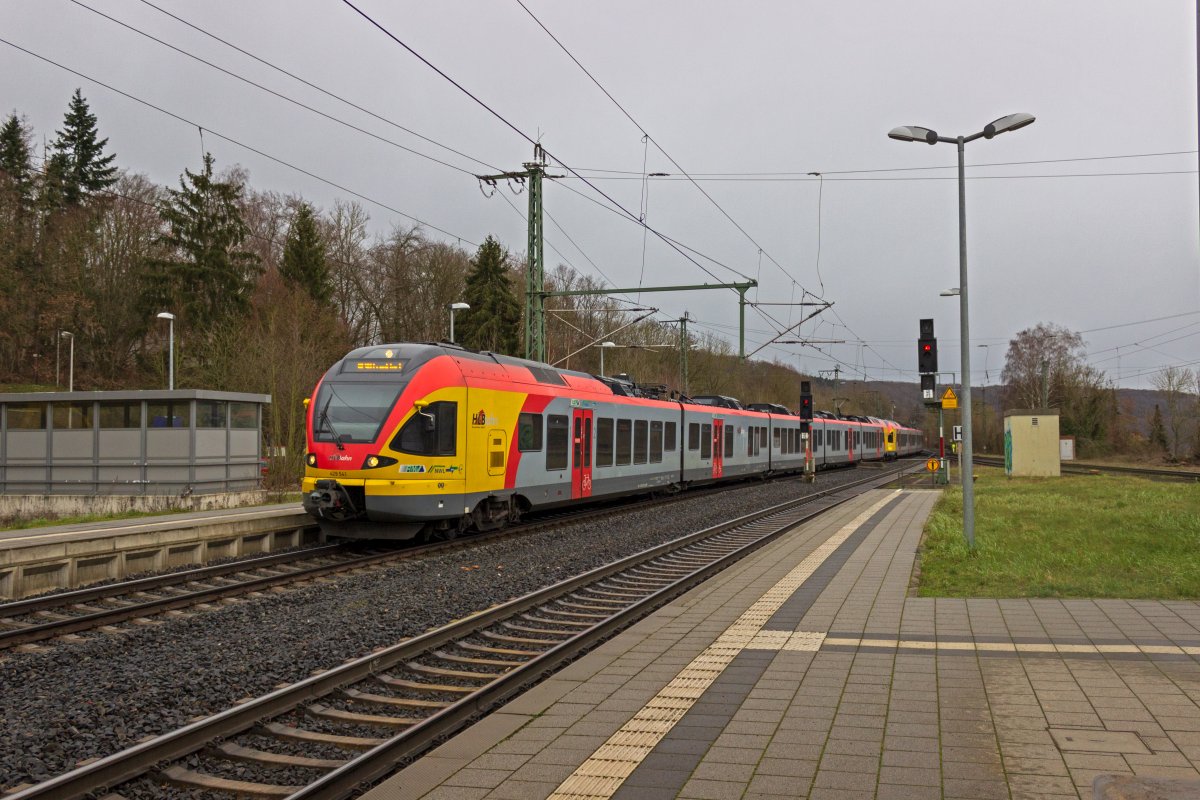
{"x":914,"y":133}
{"x":170,"y":318}
{"x":71,"y":373}
{"x":456,"y":307}
{"x":604,"y":346}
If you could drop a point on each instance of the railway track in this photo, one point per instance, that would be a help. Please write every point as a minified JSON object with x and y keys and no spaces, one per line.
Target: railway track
{"x":1091,"y":469}
{"x":327,"y":736}
{"x":38,"y":619}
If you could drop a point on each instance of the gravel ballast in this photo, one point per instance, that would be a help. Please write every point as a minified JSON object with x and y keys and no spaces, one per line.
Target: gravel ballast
{"x":90,"y":698}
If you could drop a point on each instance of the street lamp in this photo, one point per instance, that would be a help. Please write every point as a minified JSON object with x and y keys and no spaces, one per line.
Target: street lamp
{"x":456,"y":307}
{"x":950,"y":292}
{"x":170,"y":318}
{"x":914,"y":133}
{"x":71,"y":373}
{"x":604,"y":346}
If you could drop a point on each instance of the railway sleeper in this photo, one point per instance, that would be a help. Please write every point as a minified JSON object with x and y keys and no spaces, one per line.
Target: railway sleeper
{"x":500,"y":651}
{"x":461,"y":674}
{"x":236,"y":752}
{"x":479,"y":662}
{"x":199,"y":780}
{"x":577,"y":614}
{"x":543,"y":631}
{"x":503,"y":637}
{"x":338,"y":715}
{"x":418,"y":686}
{"x":292,"y":734}
{"x":568,"y":622}
{"x":356,"y":696}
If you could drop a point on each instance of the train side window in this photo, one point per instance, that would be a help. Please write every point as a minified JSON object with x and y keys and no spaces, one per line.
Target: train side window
{"x":762,"y":436}
{"x":640,"y":428}
{"x":604,"y":442}
{"x":624,"y":441}
{"x":751,"y":438}
{"x":669,"y":437}
{"x":818,"y":437}
{"x":433,"y":431}
{"x":529,"y":432}
{"x":693,"y":436}
{"x":785,"y":441}
{"x":706,"y":441}
{"x":729,"y":441}
{"x":656,"y":442}
{"x":578,"y":440}
{"x":558,"y":435}
{"x":587,"y":442}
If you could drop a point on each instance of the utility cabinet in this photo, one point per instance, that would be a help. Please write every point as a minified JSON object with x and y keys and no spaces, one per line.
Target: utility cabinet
{"x":1031,"y":443}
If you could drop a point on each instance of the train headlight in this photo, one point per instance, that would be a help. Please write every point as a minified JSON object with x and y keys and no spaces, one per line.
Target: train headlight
{"x":374,"y":462}
{"x":311,"y":459}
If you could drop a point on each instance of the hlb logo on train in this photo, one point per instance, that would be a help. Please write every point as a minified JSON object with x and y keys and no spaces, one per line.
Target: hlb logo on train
{"x":480,"y":418}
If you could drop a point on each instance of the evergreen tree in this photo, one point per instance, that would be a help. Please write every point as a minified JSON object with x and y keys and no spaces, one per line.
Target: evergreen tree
{"x":1158,"y":430}
{"x":494,"y":320}
{"x":77,"y":167}
{"x":208,"y":276}
{"x":304,"y":256}
{"x":16,"y":166}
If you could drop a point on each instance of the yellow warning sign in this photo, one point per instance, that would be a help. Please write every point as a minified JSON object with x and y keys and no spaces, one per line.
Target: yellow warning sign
{"x":932,"y":465}
{"x":949,"y":399}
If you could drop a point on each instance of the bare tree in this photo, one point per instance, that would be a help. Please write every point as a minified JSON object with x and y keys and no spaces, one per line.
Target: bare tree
{"x":1178,"y":387}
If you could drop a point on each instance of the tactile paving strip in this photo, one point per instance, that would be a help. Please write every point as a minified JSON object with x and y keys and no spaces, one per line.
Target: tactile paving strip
{"x":601,"y":775}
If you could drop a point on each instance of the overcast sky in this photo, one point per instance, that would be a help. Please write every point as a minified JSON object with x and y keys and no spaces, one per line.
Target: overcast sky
{"x":777,"y":88}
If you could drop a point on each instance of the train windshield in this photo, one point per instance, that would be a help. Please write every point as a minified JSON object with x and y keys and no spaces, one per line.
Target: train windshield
{"x":352,"y":412}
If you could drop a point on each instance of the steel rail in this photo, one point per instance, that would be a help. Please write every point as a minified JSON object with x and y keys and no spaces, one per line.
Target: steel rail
{"x":83,"y":622}
{"x":1086,"y":469}
{"x":112,"y":770}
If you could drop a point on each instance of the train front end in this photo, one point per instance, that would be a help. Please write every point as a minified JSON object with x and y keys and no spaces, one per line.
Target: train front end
{"x":383,"y":458}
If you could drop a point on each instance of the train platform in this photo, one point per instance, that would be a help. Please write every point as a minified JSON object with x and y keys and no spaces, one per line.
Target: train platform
{"x":39,"y":559}
{"x":808,"y":671}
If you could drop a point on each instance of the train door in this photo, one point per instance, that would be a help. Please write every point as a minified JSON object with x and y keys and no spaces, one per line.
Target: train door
{"x":850,"y":437}
{"x":718,"y":447}
{"x":581,"y":463}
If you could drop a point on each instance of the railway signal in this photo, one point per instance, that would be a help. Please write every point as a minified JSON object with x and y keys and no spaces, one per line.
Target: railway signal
{"x":927,"y":349}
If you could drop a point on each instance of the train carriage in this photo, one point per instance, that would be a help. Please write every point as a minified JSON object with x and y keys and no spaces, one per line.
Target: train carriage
{"x":409,"y":439}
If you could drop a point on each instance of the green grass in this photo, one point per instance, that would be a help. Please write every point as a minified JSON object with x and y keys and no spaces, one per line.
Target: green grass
{"x":1074,"y":536}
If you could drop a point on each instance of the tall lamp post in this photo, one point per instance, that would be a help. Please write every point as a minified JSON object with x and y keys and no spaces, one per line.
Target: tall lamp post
{"x":914,"y":133}
{"x":170,"y":318}
{"x":604,"y":346}
{"x":71,"y":372}
{"x":456,"y":307}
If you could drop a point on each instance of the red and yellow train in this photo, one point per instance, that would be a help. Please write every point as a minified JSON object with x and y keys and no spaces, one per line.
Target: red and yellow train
{"x":408,"y":439}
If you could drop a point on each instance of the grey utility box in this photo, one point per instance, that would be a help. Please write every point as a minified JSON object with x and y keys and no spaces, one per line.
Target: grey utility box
{"x":184,"y":442}
{"x":1031,"y":443}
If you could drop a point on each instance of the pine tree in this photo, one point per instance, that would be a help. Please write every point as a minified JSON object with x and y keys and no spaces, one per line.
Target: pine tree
{"x":1158,"y":430}
{"x":208,"y":277}
{"x":494,"y":319}
{"x":304,"y":256}
{"x":16,"y":166}
{"x":77,"y":167}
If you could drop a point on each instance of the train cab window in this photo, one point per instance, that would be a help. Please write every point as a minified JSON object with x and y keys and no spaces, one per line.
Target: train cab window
{"x":529,"y":432}
{"x":431,"y":431}
{"x":729,"y":441}
{"x":693,"y":436}
{"x":558,"y":435}
{"x":706,"y":441}
{"x":669,"y":437}
{"x":624,"y":441}
{"x":891,"y":437}
{"x":640,"y":428}
{"x":604,"y":441}
{"x":656,"y":442}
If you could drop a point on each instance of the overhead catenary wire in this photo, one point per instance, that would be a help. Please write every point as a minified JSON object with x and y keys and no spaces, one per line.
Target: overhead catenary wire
{"x":293,"y":101}
{"x":519,"y":132}
{"x":241,"y":144}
